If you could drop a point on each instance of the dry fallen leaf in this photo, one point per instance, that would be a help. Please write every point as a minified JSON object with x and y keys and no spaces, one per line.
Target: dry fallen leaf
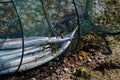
{"x":83,"y":54}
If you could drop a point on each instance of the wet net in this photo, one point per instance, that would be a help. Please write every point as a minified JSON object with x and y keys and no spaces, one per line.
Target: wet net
{"x":26,"y":20}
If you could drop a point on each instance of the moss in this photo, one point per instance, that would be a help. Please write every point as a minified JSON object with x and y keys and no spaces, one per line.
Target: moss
{"x":82,"y":72}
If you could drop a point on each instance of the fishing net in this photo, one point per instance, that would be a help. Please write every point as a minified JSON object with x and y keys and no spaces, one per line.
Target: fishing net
{"x":30,"y":20}
{"x":20,"y":19}
{"x":38,"y":18}
{"x":56,"y":16}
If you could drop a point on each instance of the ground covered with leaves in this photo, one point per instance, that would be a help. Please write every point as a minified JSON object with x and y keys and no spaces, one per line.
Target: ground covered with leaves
{"x":96,"y":58}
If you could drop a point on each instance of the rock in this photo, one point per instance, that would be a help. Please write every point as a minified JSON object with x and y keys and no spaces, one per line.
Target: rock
{"x":50,"y":63}
{"x":60,"y":76}
{"x":66,"y":70}
{"x":99,"y":7}
{"x":92,"y":50}
{"x":32,"y":79}
{"x":89,"y":60}
{"x":66,"y":60}
{"x":72,"y":70}
{"x":51,"y":68}
{"x":57,"y":59}
{"x":62,"y":72}
{"x":58,"y":70}
{"x":80,"y":58}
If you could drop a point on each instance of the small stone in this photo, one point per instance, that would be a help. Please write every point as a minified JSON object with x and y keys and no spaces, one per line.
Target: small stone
{"x":57,"y":59}
{"x":92,"y":50}
{"x":63,"y":65}
{"x":80,"y":58}
{"x":60,"y":76}
{"x":73,"y":70}
{"x":32,"y":79}
{"x":58,"y":70}
{"x":62,"y":72}
{"x":50,"y":63}
{"x":89,"y":60}
{"x":51,"y":68}
{"x":54,"y":74}
{"x":66,"y":70}
{"x":66,"y":60}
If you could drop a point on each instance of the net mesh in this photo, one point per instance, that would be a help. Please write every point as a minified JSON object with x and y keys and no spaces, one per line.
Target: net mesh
{"x":61,"y":17}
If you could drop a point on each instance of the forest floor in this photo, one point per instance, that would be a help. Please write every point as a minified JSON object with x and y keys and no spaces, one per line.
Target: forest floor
{"x":96,"y":58}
